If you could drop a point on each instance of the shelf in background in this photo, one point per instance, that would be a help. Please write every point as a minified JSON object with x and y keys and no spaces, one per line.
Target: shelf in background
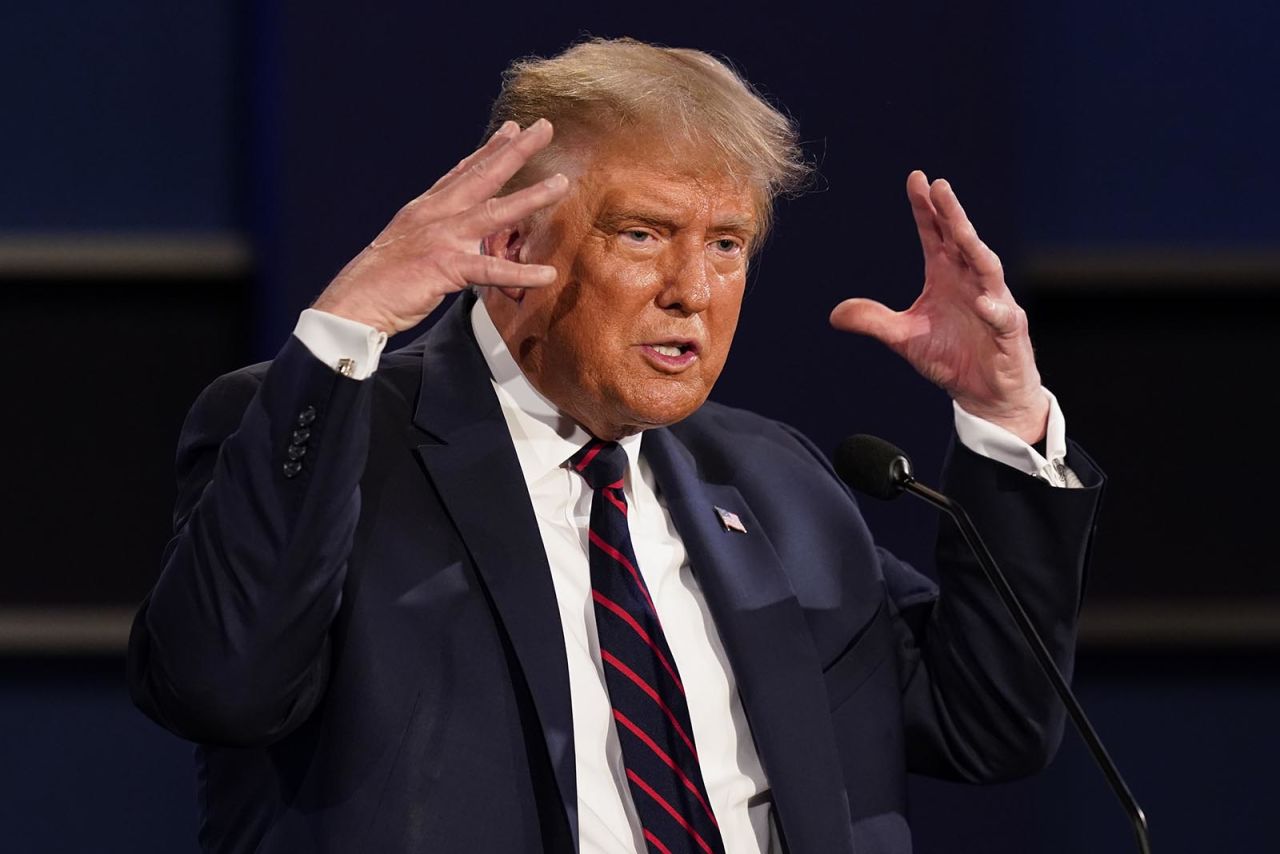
{"x":1151,"y":268}
{"x":124,"y":255}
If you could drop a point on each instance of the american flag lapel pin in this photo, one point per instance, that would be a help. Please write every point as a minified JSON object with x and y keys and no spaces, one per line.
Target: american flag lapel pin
{"x":730,"y":520}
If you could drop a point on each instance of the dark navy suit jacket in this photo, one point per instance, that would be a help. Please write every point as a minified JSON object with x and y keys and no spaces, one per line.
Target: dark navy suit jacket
{"x":370,"y":657}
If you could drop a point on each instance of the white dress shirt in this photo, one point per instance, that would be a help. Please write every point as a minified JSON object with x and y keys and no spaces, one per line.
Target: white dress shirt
{"x":544,"y":440}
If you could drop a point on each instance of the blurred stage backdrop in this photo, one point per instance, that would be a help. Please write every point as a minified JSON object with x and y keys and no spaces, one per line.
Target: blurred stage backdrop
{"x":180,"y":179}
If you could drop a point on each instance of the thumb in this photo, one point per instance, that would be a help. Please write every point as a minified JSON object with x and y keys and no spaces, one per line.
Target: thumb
{"x":867,"y":317}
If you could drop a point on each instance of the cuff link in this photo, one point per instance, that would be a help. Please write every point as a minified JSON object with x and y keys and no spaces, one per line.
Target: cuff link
{"x":347,"y":367}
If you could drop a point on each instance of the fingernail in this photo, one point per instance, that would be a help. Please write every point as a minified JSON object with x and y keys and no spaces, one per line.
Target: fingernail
{"x":540,"y":123}
{"x":508,"y":128}
{"x":555,"y":182}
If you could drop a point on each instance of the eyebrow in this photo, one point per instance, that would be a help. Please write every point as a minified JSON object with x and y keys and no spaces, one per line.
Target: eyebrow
{"x":612,"y":219}
{"x":738,"y":224}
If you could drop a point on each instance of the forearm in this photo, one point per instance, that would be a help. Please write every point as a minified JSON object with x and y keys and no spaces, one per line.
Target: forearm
{"x":231,"y":646}
{"x":977,"y":703}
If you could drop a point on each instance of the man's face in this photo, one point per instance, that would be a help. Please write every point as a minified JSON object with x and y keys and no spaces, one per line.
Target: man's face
{"x":652,"y":261}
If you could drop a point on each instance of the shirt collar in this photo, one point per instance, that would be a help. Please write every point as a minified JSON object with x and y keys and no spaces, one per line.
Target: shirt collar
{"x":545,"y":438}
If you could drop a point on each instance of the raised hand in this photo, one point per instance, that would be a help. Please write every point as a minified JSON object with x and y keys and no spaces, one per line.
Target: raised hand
{"x":431,"y":248}
{"x":964,"y":332}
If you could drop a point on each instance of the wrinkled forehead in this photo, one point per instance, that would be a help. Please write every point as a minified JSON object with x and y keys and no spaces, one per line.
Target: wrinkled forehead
{"x":626,"y":170}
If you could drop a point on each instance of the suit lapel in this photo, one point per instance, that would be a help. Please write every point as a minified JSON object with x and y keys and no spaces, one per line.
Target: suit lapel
{"x":474,"y":467}
{"x":766,"y":638}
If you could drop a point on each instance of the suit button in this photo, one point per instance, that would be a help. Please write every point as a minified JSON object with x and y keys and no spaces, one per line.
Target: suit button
{"x":296,"y":452}
{"x":292,"y":468}
{"x":306,"y":416}
{"x":300,"y":436}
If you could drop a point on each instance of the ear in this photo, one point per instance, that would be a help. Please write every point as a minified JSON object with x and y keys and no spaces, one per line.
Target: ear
{"x":508,"y":244}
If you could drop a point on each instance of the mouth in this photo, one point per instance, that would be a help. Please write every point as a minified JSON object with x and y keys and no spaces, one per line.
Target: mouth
{"x":672,"y":355}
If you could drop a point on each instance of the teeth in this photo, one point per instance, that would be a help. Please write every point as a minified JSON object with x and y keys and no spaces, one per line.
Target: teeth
{"x":667,"y":349}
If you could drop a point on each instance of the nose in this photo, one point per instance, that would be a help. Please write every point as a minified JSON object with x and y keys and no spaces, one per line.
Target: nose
{"x":686,"y":280}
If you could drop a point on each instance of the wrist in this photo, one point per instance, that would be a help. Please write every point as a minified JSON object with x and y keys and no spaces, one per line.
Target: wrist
{"x":355,"y":311}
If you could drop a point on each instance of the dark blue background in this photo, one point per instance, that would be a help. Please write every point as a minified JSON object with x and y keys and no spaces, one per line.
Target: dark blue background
{"x":1066,"y":128}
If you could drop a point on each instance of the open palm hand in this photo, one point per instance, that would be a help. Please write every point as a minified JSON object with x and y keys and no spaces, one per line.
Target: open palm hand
{"x":965,"y":332}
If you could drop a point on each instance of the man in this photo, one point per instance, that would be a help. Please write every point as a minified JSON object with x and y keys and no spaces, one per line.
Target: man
{"x":518,"y":587}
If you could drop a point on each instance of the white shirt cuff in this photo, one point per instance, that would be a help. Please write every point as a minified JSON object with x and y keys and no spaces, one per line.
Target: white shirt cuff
{"x":336,"y":340}
{"x":996,"y":443}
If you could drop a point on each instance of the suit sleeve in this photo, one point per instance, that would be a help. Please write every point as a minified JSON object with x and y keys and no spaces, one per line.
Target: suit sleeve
{"x":232,"y":645}
{"x":977,"y":706}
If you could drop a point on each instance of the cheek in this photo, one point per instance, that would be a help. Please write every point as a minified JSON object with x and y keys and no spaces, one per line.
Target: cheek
{"x":579,"y":355}
{"x":600,"y":313}
{"x":722,"y":321}
{"x":587,"y":329}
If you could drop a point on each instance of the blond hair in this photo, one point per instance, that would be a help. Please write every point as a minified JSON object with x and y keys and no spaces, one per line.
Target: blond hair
{"x":601,"y":87}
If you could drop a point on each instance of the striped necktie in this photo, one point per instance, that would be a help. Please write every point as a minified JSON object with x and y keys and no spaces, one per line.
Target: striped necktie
{"x":649,"y":708}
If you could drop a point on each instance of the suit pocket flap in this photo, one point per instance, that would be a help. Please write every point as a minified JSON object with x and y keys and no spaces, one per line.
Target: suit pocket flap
{"x":860,"y":659}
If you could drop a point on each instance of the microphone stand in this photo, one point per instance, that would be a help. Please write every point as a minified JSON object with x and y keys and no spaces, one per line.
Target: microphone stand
{"x":903,"y":478}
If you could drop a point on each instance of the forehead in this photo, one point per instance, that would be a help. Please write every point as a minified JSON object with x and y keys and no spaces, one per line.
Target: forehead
{"x":627,"y":173}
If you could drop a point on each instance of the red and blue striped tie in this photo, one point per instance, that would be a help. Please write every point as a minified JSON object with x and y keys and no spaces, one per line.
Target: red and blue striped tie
{"x":649,"y":707}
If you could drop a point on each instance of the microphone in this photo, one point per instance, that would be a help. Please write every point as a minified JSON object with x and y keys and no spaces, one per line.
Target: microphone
{"x":872,"y":465}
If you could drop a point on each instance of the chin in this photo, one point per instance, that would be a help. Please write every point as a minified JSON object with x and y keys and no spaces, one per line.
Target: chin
{"x":665,"y":409}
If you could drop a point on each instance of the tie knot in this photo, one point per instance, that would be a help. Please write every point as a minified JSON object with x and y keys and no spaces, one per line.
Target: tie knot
{"x":601,"y":464}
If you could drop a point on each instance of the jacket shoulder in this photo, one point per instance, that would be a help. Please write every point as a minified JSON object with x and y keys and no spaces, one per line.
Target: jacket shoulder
{"x":720,"y":434}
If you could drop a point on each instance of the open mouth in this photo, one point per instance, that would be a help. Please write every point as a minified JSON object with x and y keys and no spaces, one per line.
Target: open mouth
{"x":674,"y":350}
{"x":672,"y":355}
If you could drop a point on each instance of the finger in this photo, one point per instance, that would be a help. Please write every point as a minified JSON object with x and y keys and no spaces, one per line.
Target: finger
{"x":498,"y":212}
{"x":922,"y":211}
{"x":501,"y":137}
{"x":413,"y":211}
{"x":945,"y":201}
{"x":488,"y":270}
{"x":1004,"y":317}
{"x":982,"y":260}
{"x":868,"y":317}
{"x":960,"y":232}
{"x":487,"y":175}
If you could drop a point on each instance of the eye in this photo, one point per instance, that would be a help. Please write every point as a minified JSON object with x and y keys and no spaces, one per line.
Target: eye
{"x":636,"y":235}
{"x":727,"y":245}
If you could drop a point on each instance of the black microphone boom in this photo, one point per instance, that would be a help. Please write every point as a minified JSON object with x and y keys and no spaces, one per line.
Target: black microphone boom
{"x":872,"y":465}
